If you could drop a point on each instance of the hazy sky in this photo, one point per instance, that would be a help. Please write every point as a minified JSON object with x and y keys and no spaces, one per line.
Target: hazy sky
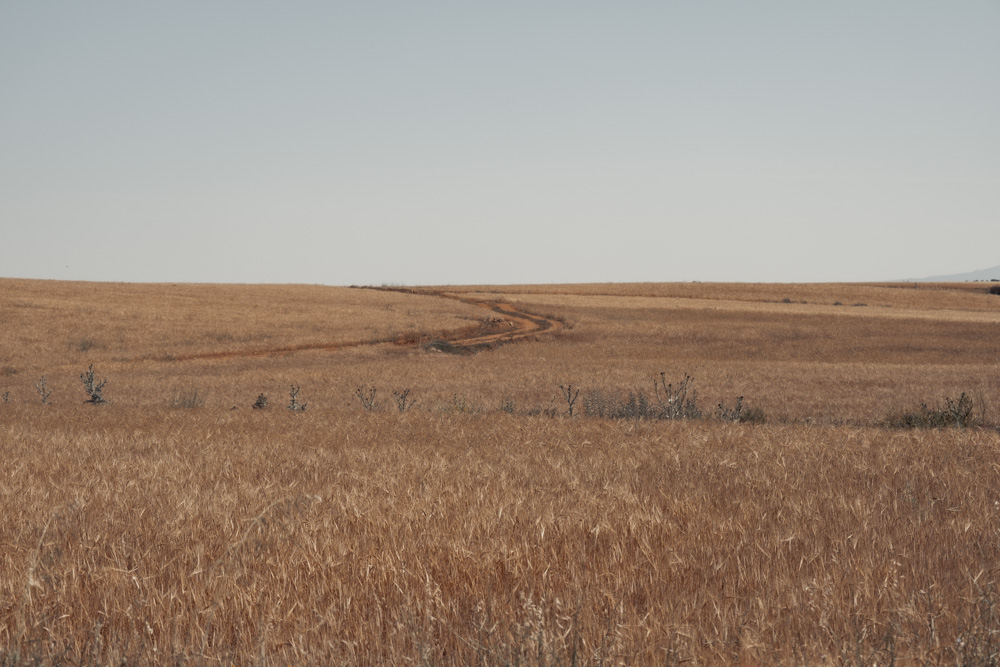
{"x":498,"y":142}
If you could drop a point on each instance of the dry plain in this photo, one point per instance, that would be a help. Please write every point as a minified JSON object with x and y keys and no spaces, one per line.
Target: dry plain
{"x":484,"y":524}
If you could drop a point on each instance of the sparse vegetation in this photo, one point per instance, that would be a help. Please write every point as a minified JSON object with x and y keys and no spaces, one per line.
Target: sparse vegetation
{"x":82,"y":344}
{"x":5,"y":396}
{"x":460,"y":405}
{"x":43,"y":391}
{"x":260,"y":403}
{"x":188,"y":398}
{"x":610,"y":404}
{"x":403,"y":400}
{"x":293,"y":403}
{"x":730,"y":414}
{"x":93,"y":387}
{"x":570,"y":396}
{"x":449,"y":348}
{"x":995,"y":289}
{"x":953,"y":412}
{"x":680,"y":402}
{"x":367,"y":398}
{"x":740,"y":413}
{"x":670,"y":402}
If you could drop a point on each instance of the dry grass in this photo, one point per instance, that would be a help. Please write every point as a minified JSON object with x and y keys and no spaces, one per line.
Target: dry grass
{"x":458,"y":534}
{"x":924,"y":296}
{"x":55,"y":323}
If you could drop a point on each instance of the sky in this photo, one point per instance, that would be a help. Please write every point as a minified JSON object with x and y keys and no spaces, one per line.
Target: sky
{"x":548,"y":141}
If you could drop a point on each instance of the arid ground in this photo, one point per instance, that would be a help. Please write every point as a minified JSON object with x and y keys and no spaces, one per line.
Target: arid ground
{"x":551,"y":474}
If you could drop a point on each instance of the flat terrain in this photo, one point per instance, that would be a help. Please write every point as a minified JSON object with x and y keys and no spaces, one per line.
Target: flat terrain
{"x":484,"y":524}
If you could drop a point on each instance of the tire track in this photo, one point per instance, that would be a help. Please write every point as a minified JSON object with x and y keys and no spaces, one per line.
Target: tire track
{"x":509,"y":324}
{"x":514,"y":324}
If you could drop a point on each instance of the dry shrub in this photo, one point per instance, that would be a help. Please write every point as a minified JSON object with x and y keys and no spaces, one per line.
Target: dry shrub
{"x":956,"y":413}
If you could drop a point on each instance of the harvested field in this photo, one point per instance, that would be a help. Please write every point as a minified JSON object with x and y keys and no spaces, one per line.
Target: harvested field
{"x":483,"y":525}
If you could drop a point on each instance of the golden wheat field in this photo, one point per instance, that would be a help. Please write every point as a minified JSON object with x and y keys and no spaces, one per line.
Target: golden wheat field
{"x":499,"y":475}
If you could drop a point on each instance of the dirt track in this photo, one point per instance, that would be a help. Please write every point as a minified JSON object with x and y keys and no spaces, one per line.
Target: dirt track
{"x":509,"y":324}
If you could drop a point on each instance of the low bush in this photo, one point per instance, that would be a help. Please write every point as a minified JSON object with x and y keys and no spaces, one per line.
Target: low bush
{"x":954,"y":412}
{"x":462,"y":406}
{"x":94,"y":389}
{"x":449,"y":348}
{"x":740,"y":413}
{"x":668,"y":402}
{"x":83,"y":344}
{"x":619,"y":405}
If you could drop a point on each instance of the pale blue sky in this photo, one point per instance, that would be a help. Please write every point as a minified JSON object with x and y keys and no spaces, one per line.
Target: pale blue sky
{"x":513,"y":142}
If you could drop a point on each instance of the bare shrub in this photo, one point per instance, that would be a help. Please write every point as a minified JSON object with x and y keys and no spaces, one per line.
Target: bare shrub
{"x":680,"y":402}
{"x":293,"y":403}
{"x":367,"y":398}
{"x":730,"y":414}
{"x":570,"y":396}
{"x":260,"y":403}
{"x":740,"y":413}
{"x":403,"y":401}
{"x":94,"y":389}
{"x":43,"y":390}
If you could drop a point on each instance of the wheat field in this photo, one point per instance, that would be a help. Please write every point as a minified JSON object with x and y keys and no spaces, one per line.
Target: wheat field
{"x":484,"y":524}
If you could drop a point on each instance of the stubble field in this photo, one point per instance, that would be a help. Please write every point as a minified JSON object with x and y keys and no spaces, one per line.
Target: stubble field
{"x":483,"y":524}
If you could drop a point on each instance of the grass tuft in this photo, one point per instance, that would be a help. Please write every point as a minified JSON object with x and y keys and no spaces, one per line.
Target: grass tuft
{"x":188,"y":398}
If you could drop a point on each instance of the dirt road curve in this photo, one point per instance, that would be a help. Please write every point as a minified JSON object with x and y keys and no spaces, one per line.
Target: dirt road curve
{"x":508,"y":324}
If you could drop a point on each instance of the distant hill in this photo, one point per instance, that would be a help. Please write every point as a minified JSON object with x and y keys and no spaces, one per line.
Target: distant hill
{"x":982,"y":274}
